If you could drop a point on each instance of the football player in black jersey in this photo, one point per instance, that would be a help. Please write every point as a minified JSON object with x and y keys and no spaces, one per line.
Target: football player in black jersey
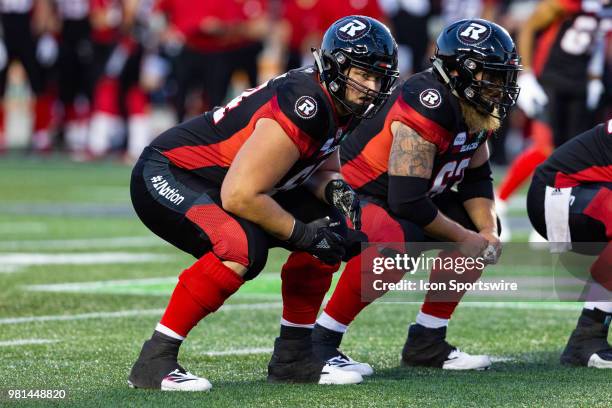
{"x":570,"y":203}
{"x":430,"y":136}
{"x":261,"y":172}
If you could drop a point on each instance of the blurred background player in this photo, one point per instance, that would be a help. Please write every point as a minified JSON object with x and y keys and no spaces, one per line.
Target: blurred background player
{"x":570,"y":203}
{"x":557,"y":43}
{"x":432,"y":136}
{"x":120,"y":31}
{"x":27,"y":38}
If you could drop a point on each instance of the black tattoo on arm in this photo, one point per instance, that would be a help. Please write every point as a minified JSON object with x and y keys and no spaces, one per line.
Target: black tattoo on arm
{"x":411,"y":155}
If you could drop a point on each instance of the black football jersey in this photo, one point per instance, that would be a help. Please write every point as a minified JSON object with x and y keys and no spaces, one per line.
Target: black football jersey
{"x":207,"y":144}
{"x":424,"y":104}
{"x":565,"y":48}
{"x":587,"y":158}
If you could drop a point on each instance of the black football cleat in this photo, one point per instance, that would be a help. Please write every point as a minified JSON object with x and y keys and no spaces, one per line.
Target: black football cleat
{"x":326,"y":343}
{"x":294,"y":362}
{"x":157,"y":368}
{"x":427,"y":347}
{"x":588,"y":345}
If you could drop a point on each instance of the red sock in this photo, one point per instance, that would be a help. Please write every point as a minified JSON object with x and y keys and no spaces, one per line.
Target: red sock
{"x":306,"y":280}
{"x":442,"y":304}
{"x":43,"y":112}
{"x":136,"y":101}
{"x":106,"y":96}
{"x":355,"y":289}
{"x":201,"y":290}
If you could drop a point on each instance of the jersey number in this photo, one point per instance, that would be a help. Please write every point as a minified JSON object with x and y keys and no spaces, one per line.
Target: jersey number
{"x":579,"y":37}
{"x":451,"y":172}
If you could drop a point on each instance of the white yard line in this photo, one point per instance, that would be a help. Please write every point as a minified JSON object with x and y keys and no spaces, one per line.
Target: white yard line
{"x":502,"y":359}
{"x":85,"y":243}
{"x":93,"y":258}
{"x":25,"y":342}
{"x":14,"y":228}
{"x":128,"y":313}
{"x":238,"y":352}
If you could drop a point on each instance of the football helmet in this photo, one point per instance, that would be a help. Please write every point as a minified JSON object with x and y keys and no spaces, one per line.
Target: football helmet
{"x":358,"y":42}
{"x":478,"y":61}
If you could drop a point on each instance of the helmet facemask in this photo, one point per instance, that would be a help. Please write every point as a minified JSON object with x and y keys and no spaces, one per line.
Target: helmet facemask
{"x":337,"y":70}
{"x":496,"y":91}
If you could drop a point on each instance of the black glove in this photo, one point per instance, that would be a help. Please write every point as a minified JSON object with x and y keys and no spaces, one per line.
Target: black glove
{"x":339,"y":194}
{"x":318,"y":239}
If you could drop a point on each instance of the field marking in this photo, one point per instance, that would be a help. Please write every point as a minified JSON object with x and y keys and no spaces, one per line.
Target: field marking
{"x":25,"y":342}
{"x":128,"y":313}
{"x":92,"y":286}
{"x":23,"y":227}
{"x":94,"y":258}
{"x":502,"y":359}
{"x":239,"y":352}
{"x":85,"y":243}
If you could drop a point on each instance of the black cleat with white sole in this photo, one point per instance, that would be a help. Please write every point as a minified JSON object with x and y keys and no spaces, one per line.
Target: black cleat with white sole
{"x":294,"y":362}
{"x":588,"y":345}
{"x":157,"y":368}
{"x":326,"y":343}
{"x":426,"y":347}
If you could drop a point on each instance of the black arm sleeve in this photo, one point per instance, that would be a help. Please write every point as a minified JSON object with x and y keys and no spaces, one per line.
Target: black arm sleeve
{"x":407,"y":198}
{"x":477,"y":182}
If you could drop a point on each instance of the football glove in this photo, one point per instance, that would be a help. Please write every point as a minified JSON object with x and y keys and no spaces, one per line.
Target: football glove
{"x":532,"y":98}
{"x":339,"y":194}
{"x":318,"y":239}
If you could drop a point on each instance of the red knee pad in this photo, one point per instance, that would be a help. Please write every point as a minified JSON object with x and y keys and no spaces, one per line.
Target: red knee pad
{"x":210,"y":282}
{"x":601,"y":270}
{"x":305,"y":281}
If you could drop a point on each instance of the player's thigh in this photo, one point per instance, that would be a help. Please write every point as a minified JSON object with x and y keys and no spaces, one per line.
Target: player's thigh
{"x":186,"y":211}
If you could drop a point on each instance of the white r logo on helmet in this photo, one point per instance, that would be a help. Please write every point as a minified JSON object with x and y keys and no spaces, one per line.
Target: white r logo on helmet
{"x":353,"y":29}
{"x":473,"y":33}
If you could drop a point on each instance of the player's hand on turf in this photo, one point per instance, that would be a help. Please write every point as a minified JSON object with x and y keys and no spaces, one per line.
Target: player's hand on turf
{"x":339,"y":194}
{"x":493,"y":251}
{"x":318,"y":239}
{"x":473,"y":244}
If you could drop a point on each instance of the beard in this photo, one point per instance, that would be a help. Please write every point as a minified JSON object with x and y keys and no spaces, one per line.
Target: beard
{"x":477,"y":120}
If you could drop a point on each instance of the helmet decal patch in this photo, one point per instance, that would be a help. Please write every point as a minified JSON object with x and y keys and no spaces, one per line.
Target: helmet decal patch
{"x":430,"y":98}
{"x":473,"y":33}
{"x":306,"y":107}
{"x":353,"y":28}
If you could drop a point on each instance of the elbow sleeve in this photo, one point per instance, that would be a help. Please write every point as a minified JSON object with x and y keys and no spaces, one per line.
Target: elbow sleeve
{"x":477,"y":182}
{"x":407,"y":198}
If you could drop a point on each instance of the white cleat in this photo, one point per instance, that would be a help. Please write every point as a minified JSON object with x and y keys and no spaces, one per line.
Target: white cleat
{"x":597,"y":362}
{"x":458,"y":360}
{"x":336,"y":376}
{"x":346,"y":363}
{"x":184,"y":381}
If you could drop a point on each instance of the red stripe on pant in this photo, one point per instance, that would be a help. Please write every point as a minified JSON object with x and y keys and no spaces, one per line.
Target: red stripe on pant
{"x":201,"y":290}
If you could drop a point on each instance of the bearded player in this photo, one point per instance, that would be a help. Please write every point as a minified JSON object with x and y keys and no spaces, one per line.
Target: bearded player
{"x":570,"y":203}
{"x":430,"y":136}
{"x":262,"y":172}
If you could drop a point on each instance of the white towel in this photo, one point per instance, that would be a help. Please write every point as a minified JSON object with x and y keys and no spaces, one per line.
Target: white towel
{"x":556,"y":213}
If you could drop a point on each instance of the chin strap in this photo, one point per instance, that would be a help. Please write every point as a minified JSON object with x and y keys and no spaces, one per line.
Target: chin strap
{"x":317,"y":57}
{"x":437,"y":64}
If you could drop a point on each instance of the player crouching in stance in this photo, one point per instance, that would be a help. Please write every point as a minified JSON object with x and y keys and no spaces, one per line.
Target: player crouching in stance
{"x":570,"y":202}
{"x":430,"y":136}
{"x":262,"y":172}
